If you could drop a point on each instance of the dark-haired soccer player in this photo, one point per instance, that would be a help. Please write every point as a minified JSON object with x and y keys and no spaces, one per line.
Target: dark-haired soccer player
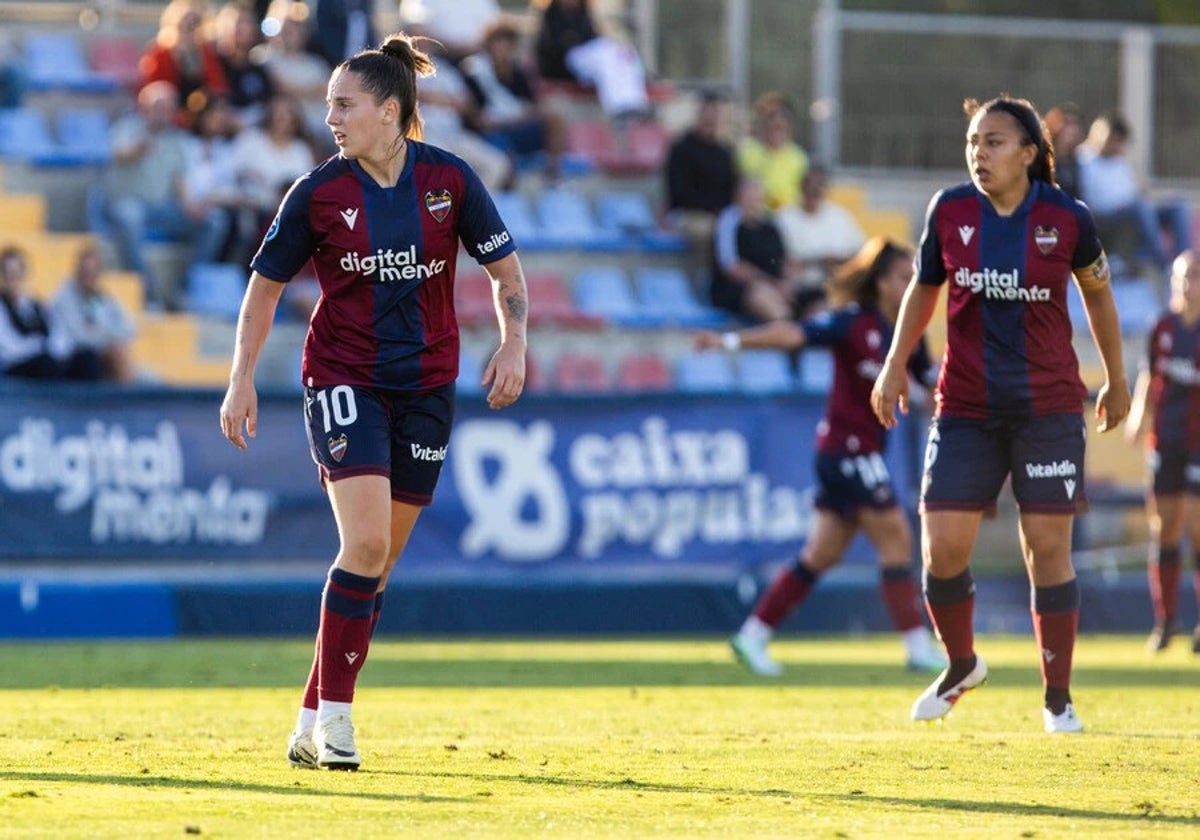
{"x":1166,"y":406}
{"x":381,"y":222}
{"x":1009,"y":398}
{"x":854,"y":489}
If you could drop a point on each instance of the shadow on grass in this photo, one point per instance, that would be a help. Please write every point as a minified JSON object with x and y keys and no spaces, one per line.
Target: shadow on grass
{"x":172,"y":783}
{"x":1145,"y":815}
{"x":626,"y":783}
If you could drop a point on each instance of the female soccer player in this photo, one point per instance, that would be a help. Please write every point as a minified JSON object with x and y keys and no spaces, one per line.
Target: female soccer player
{"x":854,"y":490}
{"x":1009,"y":399}
{"x":381,"y":222}
{"x":1166,"y":406}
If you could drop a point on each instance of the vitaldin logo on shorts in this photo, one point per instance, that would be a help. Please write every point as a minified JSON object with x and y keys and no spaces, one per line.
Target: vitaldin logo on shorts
{"x":427,"y":453}
{"x":1000,"y":285}
{"x":392,"y":266}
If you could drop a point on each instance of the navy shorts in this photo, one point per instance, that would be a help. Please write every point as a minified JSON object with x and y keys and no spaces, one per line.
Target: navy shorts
{"x":402,"y":435}
{"x":846,"y":483}
{"x":1175,"y":470}
{"x":967,"y":461}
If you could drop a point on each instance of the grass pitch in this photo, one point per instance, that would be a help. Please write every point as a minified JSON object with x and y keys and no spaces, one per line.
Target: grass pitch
{"x":593,"y":738}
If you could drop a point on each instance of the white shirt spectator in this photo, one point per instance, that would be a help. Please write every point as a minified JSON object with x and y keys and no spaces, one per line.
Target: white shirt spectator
{"x":1106,"y":184}
{"x":831,"y":232}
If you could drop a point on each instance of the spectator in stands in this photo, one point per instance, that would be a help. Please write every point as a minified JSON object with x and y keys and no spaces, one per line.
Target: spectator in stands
{"x":748,"y":259}
{"x":701,"y":175}
{"x":94,"y":320}
{"x":1065,"y":123}
{"x":269,"y":157}
{"x":342,"y":28}
{"x":507,"y":112}
{"x":460,"y":26}
{"x":771,"y":153}
{"x":210,"y":179}
{"x":448,"y":110}
{"x":570,"y":47}
{"x":1164,"y":400}
{"x":183,"y":54}
{"x":236,"y":34}
{"x":295,"y":71}
{"x":818,"y":236}
{"x":1109,"y":186}
{"x":31,"y":344}
{"x":143,"y":191}
{"x":854,"y":490}
{"x":12,"y":72}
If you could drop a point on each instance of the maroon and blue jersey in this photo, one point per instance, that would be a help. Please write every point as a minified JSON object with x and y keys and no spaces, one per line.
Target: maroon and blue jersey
{"x":858,"y":337}
{"x":1008,"y":343}
{"x":1173,"y":360}
{"x":385,"y":259}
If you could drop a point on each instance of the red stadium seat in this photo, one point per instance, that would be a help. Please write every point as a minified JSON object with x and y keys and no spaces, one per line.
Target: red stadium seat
{"x":473,"y":299}
{"x":116,"y":57}
{"x":579,"y":373}
{"x":550,"y":303}
{"x":643,"y":372}
{"x":638,"y":148}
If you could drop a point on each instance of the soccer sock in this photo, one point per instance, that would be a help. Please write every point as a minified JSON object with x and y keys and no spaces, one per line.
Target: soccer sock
{"x":1164,"y":583}
{"x":378,"y":612}
{"x":901,"y":598}
{"x":1055,"y":620}
{"x":345,"y":634}
{"x":951,"y":606}
{"x":790,"y":587}
{"x":309,"y":703}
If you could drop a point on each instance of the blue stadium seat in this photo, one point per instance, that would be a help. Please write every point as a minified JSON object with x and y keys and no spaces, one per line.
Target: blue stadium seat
{"x":56,"y":61}
{"x":87,"y":133}
{"x":215,"y":289}
{"x":520,"y":220}
{"x":667,"y":294}
{"x":470,"y":373}
{"x":629,"y":212}
{"x":605,"y":291}
{"x":25,"y":136}
{"x":705,"y":372}
{"x":765,"y":372}
{"x":815,"y":371}
{"x":566,"y":218}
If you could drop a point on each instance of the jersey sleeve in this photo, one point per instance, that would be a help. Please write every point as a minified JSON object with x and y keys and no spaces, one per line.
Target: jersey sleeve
{"x":1088,"y":249}
{"x":829,"y":329}
{"x":289,"y":242}
{"x":482,"y":231}
{"x":928,"y":265}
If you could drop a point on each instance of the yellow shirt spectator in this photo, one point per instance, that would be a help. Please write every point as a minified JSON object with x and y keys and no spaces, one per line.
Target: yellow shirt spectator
{"x":779,"y":168}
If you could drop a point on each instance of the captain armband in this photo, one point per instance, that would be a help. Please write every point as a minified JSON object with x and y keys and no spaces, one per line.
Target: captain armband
{"x":1094,"y":276}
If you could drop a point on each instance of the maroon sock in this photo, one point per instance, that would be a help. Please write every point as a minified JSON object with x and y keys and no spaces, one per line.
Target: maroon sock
{"x":1164,"y":583}
{"x":345,"y":633}
{"x":951,"y":606}
{"x":790,"y":587}
{"x":1055,"y":621}
{"x":901,"y":598}
{"x":310,"y":687}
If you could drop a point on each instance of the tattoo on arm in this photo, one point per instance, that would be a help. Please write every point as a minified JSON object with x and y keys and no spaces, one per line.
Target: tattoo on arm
{"x":516,"y":306}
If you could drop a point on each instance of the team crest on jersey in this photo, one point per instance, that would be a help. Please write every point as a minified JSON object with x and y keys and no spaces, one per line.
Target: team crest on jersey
{"x":1046,"y":238}
{"x":337,"y":447}
{"x":438,"y":204}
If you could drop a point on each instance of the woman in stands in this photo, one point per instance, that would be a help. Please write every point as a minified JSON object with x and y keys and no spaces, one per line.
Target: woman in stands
{"x":1166,"y":408}
{"x":854,"y":490}
{"x":381,"y":222}
{"x":1009,"y":398}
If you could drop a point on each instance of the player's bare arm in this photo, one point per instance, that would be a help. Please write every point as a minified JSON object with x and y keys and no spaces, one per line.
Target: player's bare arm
{"x":786,"y":335}
{"x":239,"y":409}
{"x":505,"y":371}
{"x":1112,"y":399}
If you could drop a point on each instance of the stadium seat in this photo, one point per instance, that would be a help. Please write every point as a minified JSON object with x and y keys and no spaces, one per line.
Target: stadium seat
{"x":638,"y":148}
{"x":604,"y":291}
{"x":705,"y":372}
{"x":1137,"y":305}
{"x":215,"y":289}
{"x":56,"y":61}
{"x":25,"y":136}
{"x":581,"y":373}
{"x":764,"y":372}
{"x":520,"y":220}
{"x":815,"y":371}
{"x":473,"y":304}
{"x":630,"y":213}
{"x":115,"y":57}
{"x":644,"y":372}
{"x":470,"y":373}
{"x":550,"y":303}
{"x":565,"y":217}
{"x":666,"y":293}
{"x":85,"y":132}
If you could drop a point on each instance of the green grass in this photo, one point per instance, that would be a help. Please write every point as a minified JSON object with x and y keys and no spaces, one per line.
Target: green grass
{"x":592,"y":738}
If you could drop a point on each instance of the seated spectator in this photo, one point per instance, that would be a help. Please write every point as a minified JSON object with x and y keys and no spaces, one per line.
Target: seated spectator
{"x":507,"y":112}
{"x":771,"y":153}
{"x":447,"y":110}
{"x":701,"y":174}
{"x":1065,"y":125}
{"x":748,"y":259}
{"x":92,"y":319}
{"x":12,"y":72}
{"x":143,"y":191}
{"x":31,"y":347}
{"x":294,"y":71}
{"x":1109,"y":186}
{"x":210,"y":180}
{"x":236,"y":33}
{"x":818,"y":235}
{"x":458,"y":25}
{"x":183,"y":55}
{"x":570,"y":48}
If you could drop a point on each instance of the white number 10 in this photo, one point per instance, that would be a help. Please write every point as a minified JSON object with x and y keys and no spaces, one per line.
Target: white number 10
{"x":341,"y":401}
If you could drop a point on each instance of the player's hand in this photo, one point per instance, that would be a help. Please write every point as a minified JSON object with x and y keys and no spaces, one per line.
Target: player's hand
{"x":890,"y":390}
{"x":708,"y":340}
{"x":1112,"y":405}
{"x":239,"y":409}
{"x":505,"y":374}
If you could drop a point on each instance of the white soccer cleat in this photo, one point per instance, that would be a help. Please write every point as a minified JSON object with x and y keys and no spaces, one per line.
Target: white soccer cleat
{"x":334,"y":737}
{"x":753,"y":654}
{"x":934,"y":704}
{"x":1067,"y":722}
{"x":302,"y":752}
